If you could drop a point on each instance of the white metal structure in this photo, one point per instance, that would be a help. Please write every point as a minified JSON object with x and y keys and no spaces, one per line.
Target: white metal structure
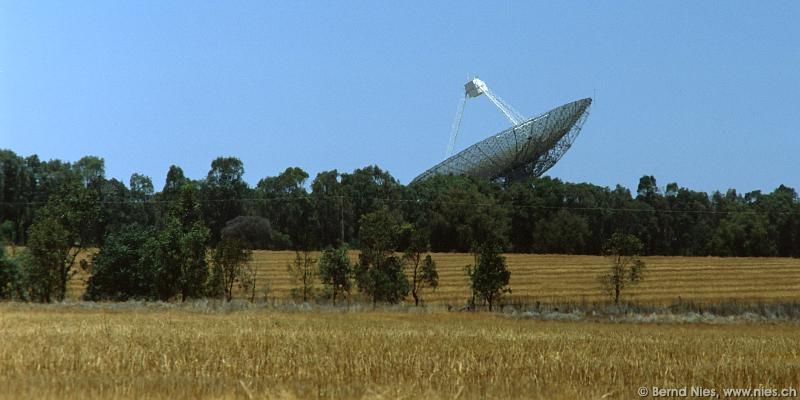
{"x":474,"y":88}
{"x":526,"y":149}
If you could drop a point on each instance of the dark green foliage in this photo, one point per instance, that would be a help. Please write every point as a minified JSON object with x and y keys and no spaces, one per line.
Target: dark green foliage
{"x":459,"y":212}
{"x":335,"y":271}
{"x":379,"y":273}
{"x":174,"y":182}
{"x":141,"y":208}
{"x":256,"y":231}
{"x":366,"y":190}
{"x":8,"y":234}
{"x":90,"y":170}
{"x":626,"y":267}
{"x":563,"y":232}
{"x":330,"y":213}
{"x":489,"y":277}
{"x":178,"y":256}
{"x":383,"y":282}
{"x":141,"y":187}
{"x":229,"y":267}
{"x":742,"y":235}
{"x":178,"y":252}
{"x":49,"y":266}
{"x":9,"y":276}
{"x":119,"y":272}
{"x":222,"y":193}
{"x":533,"y":215}
{"x":289,"y":207}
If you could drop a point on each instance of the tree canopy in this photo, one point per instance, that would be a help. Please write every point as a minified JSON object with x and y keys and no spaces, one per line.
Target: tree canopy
{"x":542,"y":215}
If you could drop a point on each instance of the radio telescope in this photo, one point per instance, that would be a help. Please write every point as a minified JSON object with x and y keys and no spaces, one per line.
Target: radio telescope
{"x":527,"y":149}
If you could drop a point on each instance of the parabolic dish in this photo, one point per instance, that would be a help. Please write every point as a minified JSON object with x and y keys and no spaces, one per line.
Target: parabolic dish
{"x":524,"y":150}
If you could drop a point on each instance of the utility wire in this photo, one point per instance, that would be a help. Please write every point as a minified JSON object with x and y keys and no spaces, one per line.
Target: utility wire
{"x":409,"y":201}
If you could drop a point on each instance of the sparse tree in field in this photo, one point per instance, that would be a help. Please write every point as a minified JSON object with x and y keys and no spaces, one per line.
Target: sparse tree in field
{"x":304,"y":273}
{"x":379,"y":273}
{"x":229,"y":266}
{"x":335,"y":271}
{"x":247,"y":280}
{"x":626,"y":267}
{"x":423,"y":271}
{"x":385,"y":282}
{"x":489,"y":277}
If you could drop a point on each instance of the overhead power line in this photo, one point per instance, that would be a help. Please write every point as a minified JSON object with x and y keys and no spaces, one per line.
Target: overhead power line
{"x":413,"y":201}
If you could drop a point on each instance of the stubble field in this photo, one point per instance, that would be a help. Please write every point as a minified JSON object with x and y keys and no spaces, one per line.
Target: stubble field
{"x":276,"y":350}
{"x":558,"y":279}
{"x":105,"y":352}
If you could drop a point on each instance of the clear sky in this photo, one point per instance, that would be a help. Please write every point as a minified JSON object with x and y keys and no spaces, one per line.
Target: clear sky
{"x":701,"y":93}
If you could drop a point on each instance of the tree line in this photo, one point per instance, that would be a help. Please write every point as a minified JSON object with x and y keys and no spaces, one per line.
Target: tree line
{"x":287,"y":211}
{"x":155,"y":244}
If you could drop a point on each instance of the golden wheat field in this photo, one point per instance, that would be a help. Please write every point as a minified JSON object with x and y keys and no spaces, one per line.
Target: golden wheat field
{"x":101,"y":352}
{"x":564,"y":278}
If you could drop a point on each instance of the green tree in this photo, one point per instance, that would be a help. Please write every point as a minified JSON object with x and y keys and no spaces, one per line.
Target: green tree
{"x":174,"y":182}
{"x":459,"y":212}
{"x":90,"y":170}
{"x":178,"y":252}
{"x":116,"y":210}
{"x":379,"y":273}
{"x":303,"y":271}
{"x":289,"y":207}
{"x":524,"y":210}
{"x":229,"y":267}
{"x":256,"y":231}
{"x":490,"y":275}
{"x":9,"y":275}
{"x":564,"y":232}
{"x":14,"y":179}
{"x":423,"y":271}
{"x":222,"y":193}
{"x":330,"y":210}
{"x":626,"y":266}
{"x":118,"y":272}
{"x":782,"y":209}
{"x":742,"y":234}
{"x":51,"y":261}
{"x":335,"y":271}
{"x":8,"y":230}
{"x":142,"y":193}
{"x":367,"y":190}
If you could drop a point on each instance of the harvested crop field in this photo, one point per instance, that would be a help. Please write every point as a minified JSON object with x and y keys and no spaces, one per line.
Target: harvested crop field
{"x":574,"y":279}
{"x":167,"y":352}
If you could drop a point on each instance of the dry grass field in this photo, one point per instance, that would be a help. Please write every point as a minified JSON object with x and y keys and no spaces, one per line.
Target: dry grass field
{"x":105,"y":352}
{"x":574,"y":279}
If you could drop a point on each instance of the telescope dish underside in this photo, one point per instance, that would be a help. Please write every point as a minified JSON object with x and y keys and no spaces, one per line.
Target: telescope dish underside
{"x":524,"y":150}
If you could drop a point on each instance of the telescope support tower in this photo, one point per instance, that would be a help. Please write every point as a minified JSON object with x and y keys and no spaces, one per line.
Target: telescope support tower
{"x":475,"y":88}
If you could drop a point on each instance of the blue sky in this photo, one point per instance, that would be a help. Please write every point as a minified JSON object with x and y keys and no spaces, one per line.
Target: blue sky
{"x":701,"y":93}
